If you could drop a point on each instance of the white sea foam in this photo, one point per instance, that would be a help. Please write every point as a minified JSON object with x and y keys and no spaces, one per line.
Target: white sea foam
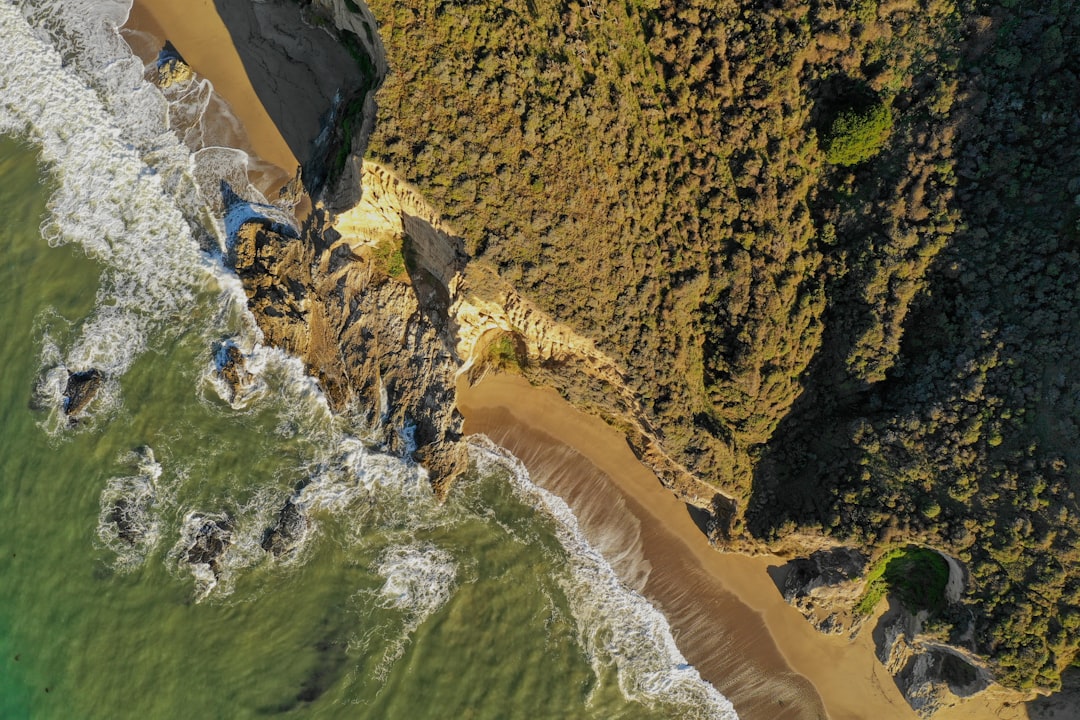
{"x":105,"y":197}
{"x":616,"y":626}
{"x":125,"y":186}
{"x":129,"y":521}
{"x":243,"y":528}
{"x":420,"y":579}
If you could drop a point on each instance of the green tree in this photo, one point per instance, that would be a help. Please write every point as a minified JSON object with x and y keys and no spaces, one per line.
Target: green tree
{"x":858,"y":136}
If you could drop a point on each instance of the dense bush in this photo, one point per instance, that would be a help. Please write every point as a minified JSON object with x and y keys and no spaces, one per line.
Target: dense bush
{"x":857,"y":136}
{"x":884,"y":352}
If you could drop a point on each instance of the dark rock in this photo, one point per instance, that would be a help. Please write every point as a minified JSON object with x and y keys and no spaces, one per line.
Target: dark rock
{"x":123,"y":515}
{"x":81,"y":388}
{"x":211,"y":541}
{"x":232,"y":368}
{"x":288,"y":531}
{"x":445,"y":462}
{"x":823,"y":568}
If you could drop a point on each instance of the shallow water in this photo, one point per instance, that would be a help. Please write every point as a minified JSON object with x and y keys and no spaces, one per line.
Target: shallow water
{"x":408,"y":610}
{"x":392,"y":606}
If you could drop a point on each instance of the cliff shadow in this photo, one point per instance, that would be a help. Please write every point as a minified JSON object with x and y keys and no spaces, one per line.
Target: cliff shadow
{"x":309,"y":80}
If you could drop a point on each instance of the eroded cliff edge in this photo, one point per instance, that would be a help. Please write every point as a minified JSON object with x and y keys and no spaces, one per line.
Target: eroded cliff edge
{"x":377,"y":296}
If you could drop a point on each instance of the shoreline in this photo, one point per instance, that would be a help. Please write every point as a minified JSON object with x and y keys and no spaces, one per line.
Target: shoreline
{"x":201,"y":37}
{"x":767,"y":659}
{"x":728,"y":617}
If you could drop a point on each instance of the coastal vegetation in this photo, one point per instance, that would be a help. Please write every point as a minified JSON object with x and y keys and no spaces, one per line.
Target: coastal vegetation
{"x":504,"y":353}
{"x":915,"y":576}
{"x":833,"y":246}
{"x":858,"y":136}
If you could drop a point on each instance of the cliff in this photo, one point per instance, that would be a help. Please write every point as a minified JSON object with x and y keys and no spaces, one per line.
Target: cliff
{"x":381,"y":299}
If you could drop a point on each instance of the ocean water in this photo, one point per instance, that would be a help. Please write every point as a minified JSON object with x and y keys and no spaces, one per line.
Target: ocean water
{"x":491,"y":605}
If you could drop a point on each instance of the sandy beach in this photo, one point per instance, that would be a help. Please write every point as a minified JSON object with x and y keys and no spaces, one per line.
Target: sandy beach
{"x":198,"y":33}
{"x":728,"y":617}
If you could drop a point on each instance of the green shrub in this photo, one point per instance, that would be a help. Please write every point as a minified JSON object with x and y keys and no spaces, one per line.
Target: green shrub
{"x":504,"y":353}
{"x":916,"y":576}
{"x":858,"y":136}
{"x":390,"y":259}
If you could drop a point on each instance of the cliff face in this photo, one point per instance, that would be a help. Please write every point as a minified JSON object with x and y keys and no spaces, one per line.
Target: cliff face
{"x":480,"y":310}
{"x":381,"y":301}
{"x":366,"y":336}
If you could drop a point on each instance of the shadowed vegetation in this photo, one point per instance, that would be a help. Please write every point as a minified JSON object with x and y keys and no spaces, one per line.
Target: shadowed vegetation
{"x":915,"y":576}
{"x":885,"y":350}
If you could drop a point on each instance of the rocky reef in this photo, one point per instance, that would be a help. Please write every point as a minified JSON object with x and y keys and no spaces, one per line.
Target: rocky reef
{"x":82,"y":387}
{"x":212,"y":537}
{"x":375,"y":341}
{"x":287,"y":532}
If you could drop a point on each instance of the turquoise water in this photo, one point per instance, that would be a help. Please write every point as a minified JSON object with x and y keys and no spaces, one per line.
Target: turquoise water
{"x":391,"y":606}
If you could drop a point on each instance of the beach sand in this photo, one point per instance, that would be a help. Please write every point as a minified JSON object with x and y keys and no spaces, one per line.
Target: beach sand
{"x":728,"y":616}
{"x":198,"y":33}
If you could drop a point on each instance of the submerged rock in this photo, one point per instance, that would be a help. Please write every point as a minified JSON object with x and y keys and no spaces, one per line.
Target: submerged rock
{"x":232,"y":369}
{"x":287,"y":532}
{"x":211,"y":541}
{"x":80,"y":390}
{"x":125,"y":517}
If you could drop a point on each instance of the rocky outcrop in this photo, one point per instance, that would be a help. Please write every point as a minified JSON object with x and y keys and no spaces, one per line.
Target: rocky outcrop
{"x":82,"y":387}
{"x":212,"y":538}
{"x":931,"y":675}
{"x":231,"y":367}
{"x":825,"y":587}
{"x":376,"y":344}
{"x":287,"y":532}
{"x":171,"y":67}
{"x":126,"y":516}
{"x":476,"y":308}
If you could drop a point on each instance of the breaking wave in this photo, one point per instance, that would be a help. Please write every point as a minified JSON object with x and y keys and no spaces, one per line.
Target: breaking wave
{"x":129,"y":522}
{"x":616,"y":625}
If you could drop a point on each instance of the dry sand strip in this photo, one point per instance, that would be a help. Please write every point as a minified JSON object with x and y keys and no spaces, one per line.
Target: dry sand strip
{"x":729,"y":619}
{"x":198,"y":33}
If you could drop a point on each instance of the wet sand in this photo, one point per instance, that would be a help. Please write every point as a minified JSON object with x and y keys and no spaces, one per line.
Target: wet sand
{"x":198,"y":33}
{"x":729,"y":619}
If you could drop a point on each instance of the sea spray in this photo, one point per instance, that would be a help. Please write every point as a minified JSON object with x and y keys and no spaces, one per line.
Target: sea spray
{"x":615,"y":624}
{"x":420,"y":579}
{"x":129,"y":521}
{"x":105,"y":198}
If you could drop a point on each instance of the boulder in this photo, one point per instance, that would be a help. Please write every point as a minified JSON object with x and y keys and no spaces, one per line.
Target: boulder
{"x":80,"y":390}
{"x":171,"y":68}
{"x":232,"y":369}
{"x":211,"y":541}
{"x":825,"y":587}
{"x":125,"y":516}
{"x":287,"y":532}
